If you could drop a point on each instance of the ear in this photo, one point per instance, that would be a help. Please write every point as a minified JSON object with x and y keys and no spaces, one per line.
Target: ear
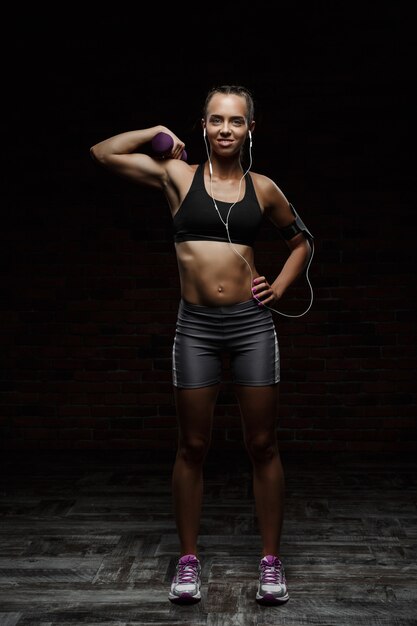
{"x":252,"y":126}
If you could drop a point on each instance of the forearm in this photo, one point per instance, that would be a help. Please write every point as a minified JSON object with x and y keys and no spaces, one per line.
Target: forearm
{"x":125,"y":143}
{"x":291,"y":269}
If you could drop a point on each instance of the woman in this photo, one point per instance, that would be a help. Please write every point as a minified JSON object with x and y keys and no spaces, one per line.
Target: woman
{"x":225,"y":304}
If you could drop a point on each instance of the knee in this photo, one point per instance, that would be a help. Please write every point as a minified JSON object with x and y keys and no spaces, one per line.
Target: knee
{"x":193,"y":451}
{"x":261,"y":448}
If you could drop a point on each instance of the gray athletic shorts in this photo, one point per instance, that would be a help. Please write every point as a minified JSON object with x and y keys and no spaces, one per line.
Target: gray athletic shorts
{"x":203,"y":333}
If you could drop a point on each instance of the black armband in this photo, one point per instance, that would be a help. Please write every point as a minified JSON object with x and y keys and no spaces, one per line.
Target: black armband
{"x":297,"y":226}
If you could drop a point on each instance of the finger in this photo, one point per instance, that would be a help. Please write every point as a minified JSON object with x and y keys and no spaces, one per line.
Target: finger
{"x":259,"y":286}
{"x":178,"y":150}
{"x":266,"y":301}
{"x":259,"y":301}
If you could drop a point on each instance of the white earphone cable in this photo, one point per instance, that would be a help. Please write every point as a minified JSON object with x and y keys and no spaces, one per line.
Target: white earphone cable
{"x":226,"y":224}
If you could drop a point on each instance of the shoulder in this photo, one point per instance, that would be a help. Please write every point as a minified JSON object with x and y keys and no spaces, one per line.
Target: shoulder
{"x":178,"y":172}
{"x":269,"y":194}
{"x":176,"y":168}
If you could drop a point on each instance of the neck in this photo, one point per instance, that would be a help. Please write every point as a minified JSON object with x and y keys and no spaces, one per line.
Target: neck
{"x":226,"y":168}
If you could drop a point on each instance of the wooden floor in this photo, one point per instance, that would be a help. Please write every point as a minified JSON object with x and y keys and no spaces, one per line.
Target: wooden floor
{"x":93,"y":541}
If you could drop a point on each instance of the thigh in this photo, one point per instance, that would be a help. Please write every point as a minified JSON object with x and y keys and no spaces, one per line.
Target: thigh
{"x":258,"y":407}
{"x":196,"y":362}
{"x":195,"y":408}
{"x":254,"y":353}
{"x":196,"y":352}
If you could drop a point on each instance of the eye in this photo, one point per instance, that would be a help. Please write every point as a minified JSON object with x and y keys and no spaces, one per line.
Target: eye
{"x":215,"y":120}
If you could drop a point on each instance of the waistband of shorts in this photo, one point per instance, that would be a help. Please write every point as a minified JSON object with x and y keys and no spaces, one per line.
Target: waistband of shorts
{"x":224,"y":309}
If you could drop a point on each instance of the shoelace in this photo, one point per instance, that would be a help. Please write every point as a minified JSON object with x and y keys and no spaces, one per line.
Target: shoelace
{"x":272,"y":573}
{"x":187,"y":572}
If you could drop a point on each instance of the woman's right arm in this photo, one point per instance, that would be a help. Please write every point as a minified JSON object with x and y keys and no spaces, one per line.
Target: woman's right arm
{"x":119,"y":155}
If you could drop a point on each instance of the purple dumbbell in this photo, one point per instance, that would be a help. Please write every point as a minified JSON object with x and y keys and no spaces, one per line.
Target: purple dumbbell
{"x":162,"y":145}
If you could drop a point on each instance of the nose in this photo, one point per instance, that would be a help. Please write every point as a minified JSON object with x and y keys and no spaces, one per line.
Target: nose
{"x":225,"y":130}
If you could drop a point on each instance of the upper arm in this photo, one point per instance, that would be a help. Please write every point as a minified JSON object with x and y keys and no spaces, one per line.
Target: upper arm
{"x":278,"y":210}
{"x":276,"y":206}
{"x":139,"y":168}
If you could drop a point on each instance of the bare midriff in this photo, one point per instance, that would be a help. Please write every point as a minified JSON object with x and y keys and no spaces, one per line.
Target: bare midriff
{"x":212,"y":274}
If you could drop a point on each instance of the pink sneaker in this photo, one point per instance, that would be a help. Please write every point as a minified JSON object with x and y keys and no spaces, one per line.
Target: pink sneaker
{"x":272,"y":586}
{"x":185,"y":586}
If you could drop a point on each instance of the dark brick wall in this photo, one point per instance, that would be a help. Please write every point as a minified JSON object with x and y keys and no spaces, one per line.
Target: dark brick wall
{"x":89,"y":276}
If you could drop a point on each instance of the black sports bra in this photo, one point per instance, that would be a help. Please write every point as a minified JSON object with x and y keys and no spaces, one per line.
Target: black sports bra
{"x":197,"y":218}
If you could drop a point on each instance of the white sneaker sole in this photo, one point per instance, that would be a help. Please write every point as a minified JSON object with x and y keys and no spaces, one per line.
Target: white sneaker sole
{"x":185,"y":598}
{"x":269,"y":598}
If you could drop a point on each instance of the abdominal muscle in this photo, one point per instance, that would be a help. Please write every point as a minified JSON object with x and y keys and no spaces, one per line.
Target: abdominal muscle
{"x":212,"y":274}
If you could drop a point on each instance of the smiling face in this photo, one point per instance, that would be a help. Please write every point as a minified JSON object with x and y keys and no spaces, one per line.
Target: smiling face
{"x":226,"y":123}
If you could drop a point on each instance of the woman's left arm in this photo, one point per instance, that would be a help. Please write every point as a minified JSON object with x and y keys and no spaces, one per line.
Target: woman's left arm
{"x":278,"y":210}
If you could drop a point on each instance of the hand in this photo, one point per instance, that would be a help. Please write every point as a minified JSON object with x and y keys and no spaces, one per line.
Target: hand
{"x":262,"y":291}
{"x":177,"y":148}
{"x":166,"y":145}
